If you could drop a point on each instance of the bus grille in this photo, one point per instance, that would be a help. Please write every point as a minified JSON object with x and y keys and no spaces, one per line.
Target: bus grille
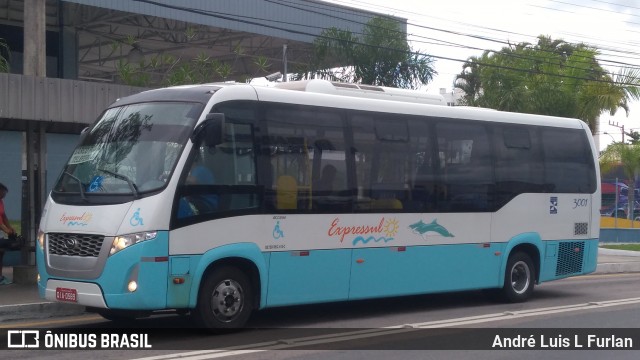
{"x":570,"y":257}
{"x":86,"y":245}
{"x":581,"y":229}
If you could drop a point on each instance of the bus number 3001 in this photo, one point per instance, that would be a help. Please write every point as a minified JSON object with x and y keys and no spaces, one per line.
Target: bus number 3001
{"x":580,"y":203}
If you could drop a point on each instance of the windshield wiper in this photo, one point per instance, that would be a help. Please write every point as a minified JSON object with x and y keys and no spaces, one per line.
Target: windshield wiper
{"x":133,"y":186}
{"x":80,"y":185}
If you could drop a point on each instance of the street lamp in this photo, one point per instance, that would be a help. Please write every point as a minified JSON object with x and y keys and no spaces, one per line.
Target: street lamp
{"x":599,"y":146}
{"x":612,"y":138}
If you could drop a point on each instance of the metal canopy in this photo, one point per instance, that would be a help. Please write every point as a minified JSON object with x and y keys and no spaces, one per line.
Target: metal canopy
{"x":95,"y":37}
{"x":247,"y":37}
{"x":107,"y":38}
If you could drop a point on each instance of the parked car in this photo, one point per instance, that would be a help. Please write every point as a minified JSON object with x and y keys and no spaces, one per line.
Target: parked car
{"x":621,"y":211}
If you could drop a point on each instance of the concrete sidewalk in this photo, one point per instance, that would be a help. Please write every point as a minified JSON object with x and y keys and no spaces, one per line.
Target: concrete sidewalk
{"x":21,"y":301}
{"x":617,"y":261}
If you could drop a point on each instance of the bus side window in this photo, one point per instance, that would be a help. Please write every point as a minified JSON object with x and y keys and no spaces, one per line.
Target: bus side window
{"x":567,"y":162}
{"x":221,"y":178}
{"x":465,"y":167}
{"x":329,"y":187}
{"x":518,"y":162}
{"x":299,"y":143}
{"x":199,"y":198}
{"x":387,"y":151}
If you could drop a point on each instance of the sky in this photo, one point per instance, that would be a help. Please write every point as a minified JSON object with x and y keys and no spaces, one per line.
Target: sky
{"x":463,"y":28}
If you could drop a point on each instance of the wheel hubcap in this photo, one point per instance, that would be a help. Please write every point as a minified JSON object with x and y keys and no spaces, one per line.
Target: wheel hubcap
{"x":227,"y":300}
{"x":520,"y":275}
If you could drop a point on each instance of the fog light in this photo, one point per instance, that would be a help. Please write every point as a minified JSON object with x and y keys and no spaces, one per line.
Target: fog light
{"x":133,"y":286}
{"x":38,"y":278}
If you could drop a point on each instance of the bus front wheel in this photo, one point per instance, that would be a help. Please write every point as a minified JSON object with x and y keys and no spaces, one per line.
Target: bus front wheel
{"x":519,"y":278}
{"x":225,"y":299}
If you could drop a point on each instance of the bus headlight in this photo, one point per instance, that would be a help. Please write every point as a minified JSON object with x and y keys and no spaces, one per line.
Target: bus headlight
{"x":41,"y":239}
{"x":123,"y":241}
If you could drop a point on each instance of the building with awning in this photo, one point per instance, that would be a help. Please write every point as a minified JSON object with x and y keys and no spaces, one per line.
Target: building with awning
{"x":88,"y":45}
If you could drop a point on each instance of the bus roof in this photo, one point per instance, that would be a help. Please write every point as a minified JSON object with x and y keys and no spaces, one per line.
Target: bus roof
{"x":348,"y":96}
{"x":362,"y":91}
{"x":366,"y":101}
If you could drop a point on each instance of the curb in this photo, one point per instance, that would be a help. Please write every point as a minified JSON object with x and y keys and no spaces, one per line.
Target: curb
{"x":605,"y":251}
{"x":615,"y":268}
{"x":40,"y":310}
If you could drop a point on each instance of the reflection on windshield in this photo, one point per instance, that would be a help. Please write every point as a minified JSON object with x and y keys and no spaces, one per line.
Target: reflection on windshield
{"x":130,"y":150}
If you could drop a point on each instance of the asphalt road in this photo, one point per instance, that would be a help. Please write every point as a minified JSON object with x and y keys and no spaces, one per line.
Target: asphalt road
{"x":564,"y":312}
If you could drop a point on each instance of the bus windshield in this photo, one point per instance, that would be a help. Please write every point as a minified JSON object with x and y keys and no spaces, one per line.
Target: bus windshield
{"x":130,"y":150}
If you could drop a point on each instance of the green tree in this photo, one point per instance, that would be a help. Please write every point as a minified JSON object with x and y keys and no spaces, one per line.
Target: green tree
{"x":169,"y":70}
{"x":380,"y":56}
{"x":634,"y":137}
{"x":628,"y":156}
{"x":551,"y":77}
{"x":4,"y":56}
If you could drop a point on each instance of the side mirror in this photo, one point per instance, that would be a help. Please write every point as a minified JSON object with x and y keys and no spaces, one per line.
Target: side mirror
{"x":83,"y":135}
{"x":211,"y":130}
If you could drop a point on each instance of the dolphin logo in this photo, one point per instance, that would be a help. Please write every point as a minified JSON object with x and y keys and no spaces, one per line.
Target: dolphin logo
{"x":421,"y":228}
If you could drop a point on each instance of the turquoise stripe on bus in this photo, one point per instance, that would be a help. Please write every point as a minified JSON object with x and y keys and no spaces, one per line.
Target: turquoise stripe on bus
{"x":179,"y":282}
{"x":304,"y":277}
{"x":44,"y":276}
{"x":382,"y":272}
{"x":151,"y":276}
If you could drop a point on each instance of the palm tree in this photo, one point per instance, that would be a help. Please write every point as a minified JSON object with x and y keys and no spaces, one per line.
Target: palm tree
{"x":380,"y":56}
{"x":628,"y":156}
{"x":469,"y":81}
{"x":552,"y":77}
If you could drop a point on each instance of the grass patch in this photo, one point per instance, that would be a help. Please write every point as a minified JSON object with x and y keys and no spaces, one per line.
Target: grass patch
{"x":630,"y":247}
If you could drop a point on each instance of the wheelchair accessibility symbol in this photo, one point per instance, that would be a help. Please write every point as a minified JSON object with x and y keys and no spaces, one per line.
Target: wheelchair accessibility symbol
{"x":136,"y":219}
{"x":277,"y":232}
{"x":95,"y":184}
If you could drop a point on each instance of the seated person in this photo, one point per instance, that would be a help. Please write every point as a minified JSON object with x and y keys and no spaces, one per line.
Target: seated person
{"x":199,"y":203}
{"x":13,"y":241}
{"x":324,"y":185}
{"x":200,"y":175}
{"x":326,"y":198}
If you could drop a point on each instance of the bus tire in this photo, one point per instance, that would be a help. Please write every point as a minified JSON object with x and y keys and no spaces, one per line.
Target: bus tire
{"x":519,"y":278}
{"x":225,"y":300}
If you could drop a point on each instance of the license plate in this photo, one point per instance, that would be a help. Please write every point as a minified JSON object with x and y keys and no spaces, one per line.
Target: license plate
{"x":65,"y":294}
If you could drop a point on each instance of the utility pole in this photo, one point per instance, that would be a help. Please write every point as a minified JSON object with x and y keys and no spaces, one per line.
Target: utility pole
{"x":611,"y":123}
{"x":34,"y":64}
{"x":284,"y":62}
{"x":35,"y":54}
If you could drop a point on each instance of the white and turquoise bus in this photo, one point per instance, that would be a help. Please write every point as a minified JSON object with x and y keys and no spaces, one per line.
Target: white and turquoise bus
{"x":218,"y":200}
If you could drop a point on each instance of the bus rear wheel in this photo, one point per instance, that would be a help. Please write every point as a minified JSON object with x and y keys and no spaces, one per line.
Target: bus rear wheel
{"x":225,"y":300}
{"x":519,"y":278}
